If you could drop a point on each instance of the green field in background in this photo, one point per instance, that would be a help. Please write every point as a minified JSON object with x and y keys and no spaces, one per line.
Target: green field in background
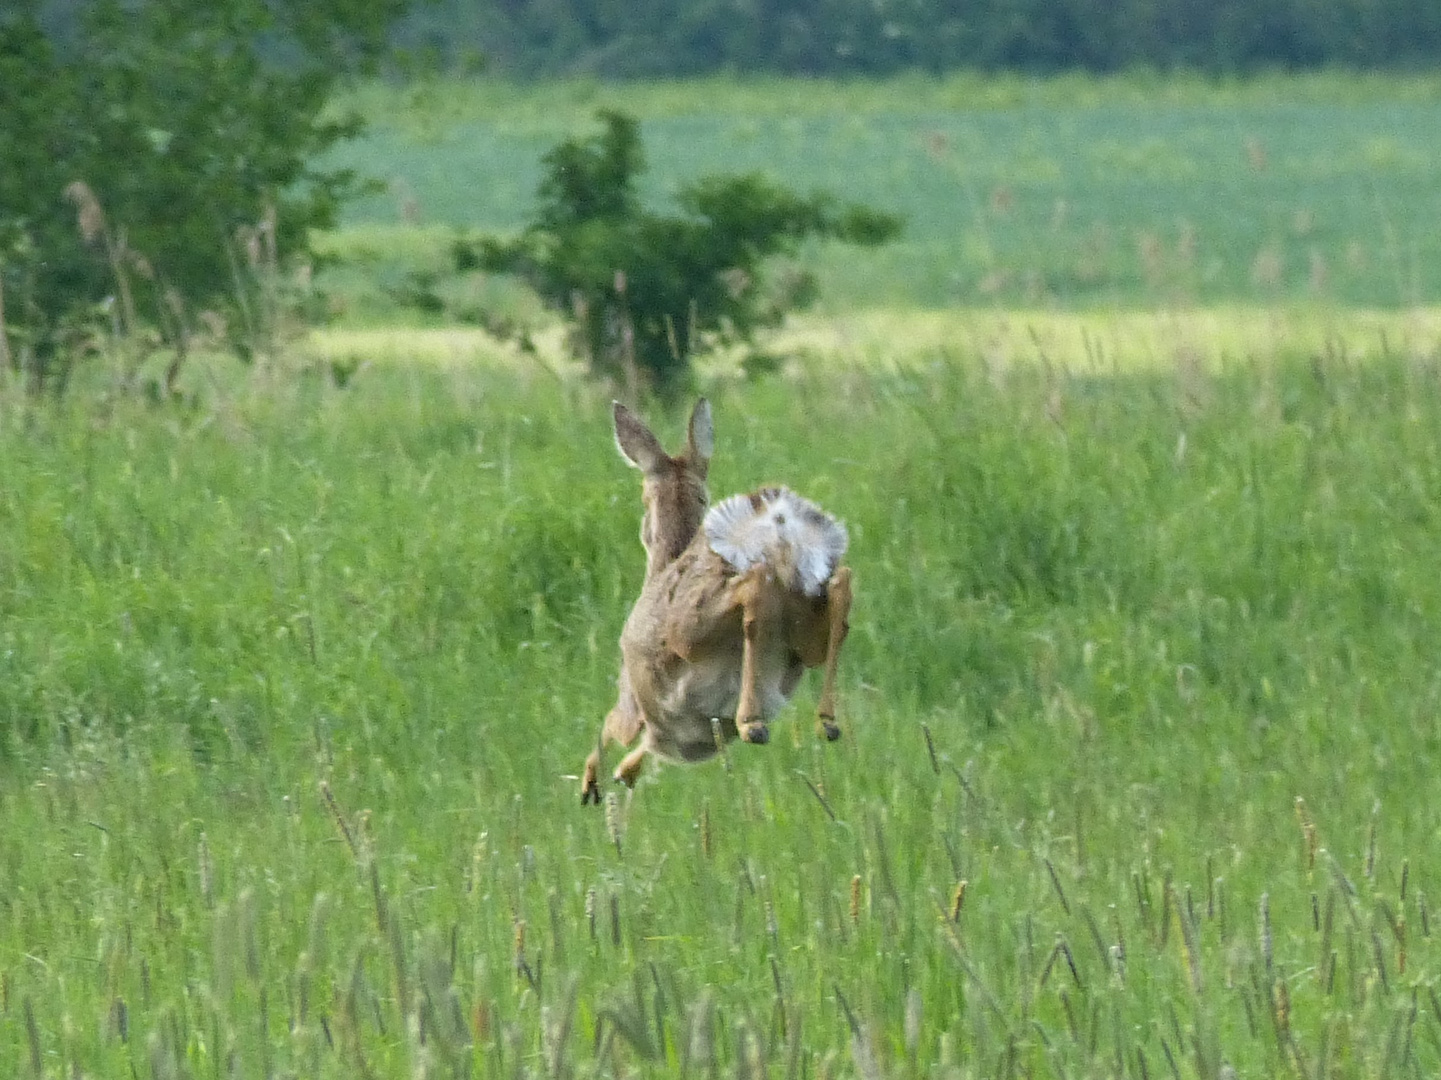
{"x":1072,"y":192}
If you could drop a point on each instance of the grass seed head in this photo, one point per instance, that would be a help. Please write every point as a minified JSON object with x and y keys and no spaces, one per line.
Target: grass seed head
{"x":958,"y":899}
{"x":612,"y":819}
{"x":701,"y":1041}
{"x":1308,"y":832}
{"x":1281,"y":1004}
{"x":912,"y":1023}
{"x":90,"y":215}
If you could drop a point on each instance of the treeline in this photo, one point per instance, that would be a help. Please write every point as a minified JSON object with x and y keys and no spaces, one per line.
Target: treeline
{"x":638,"y":38}
{"x":634,"y":38}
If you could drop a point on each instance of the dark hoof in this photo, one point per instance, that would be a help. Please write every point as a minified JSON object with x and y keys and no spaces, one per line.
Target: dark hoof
{"x":756,"y":734}
{"x":830,"y":730}
{"x":590,"y":787}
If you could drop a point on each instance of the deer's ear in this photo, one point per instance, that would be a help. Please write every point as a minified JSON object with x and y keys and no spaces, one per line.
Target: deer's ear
{"x":702,"y":434}
{"x":636,"y":442}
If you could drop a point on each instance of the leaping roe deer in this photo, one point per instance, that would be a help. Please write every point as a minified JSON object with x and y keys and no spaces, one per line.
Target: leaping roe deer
{"x":737,"y":603}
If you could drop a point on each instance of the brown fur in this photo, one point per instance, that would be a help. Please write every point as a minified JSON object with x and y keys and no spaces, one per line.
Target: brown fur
{"x":707,"y":650}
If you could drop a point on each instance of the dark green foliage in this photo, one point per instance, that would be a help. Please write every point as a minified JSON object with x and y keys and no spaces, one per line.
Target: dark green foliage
{"x":648,"y":289}
{"x":648,"y":39}
{"x":152,"y":155}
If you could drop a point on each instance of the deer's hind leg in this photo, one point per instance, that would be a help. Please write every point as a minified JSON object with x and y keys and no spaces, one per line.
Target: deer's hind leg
{"x":838,"y":610}
{"x":628,"y":771}
{"x":760,"y":615}
{"x":712,"y":613}
{"x":622,"y":724}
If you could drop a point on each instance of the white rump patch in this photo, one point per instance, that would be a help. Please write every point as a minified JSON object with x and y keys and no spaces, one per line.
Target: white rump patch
{"x":798,"y":539}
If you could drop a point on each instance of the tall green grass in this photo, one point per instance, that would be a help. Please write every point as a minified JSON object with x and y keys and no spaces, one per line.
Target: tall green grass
{"x":291,"y":683}
{"x":1072,"y":192}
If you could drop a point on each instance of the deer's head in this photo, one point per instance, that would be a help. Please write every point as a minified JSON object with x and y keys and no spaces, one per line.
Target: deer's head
{"x":673,"y":489}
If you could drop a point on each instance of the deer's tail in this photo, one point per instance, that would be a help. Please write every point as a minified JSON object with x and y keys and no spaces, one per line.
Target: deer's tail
{"x":798,"y":540}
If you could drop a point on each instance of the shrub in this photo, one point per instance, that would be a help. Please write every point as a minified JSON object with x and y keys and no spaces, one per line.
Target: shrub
{"x":644,"y":290}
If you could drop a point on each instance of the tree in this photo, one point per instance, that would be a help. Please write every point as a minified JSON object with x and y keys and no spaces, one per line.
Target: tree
{"x":645,"y":290}
{"x":160,"y":164}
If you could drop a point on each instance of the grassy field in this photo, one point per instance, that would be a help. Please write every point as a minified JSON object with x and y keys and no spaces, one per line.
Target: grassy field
{"x":1079,"y":193}
{"x":293,"y":686}
{"x":1137,"y":433}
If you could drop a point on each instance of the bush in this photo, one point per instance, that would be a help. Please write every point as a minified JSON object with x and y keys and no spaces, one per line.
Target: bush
{"x":643,"y":290}
{"x":158,"y":167}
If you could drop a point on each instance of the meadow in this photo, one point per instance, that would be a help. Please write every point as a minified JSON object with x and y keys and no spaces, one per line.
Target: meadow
{"x":295,"y":688}
{"x":1079,"y":193}
{"x":1140,"y":702}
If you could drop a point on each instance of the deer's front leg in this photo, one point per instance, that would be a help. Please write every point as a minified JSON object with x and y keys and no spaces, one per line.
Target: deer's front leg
{"x":622,"y":724}
{"x":838,"y":609}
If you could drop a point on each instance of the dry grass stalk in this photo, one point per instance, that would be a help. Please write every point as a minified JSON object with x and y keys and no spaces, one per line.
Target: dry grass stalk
{"x":856,"y":900}
{"x":6,"y":360}
{"x":1281,"y":1013}
{"x":912,"y":1023}
{"x":1379,"y":955}
{"x":32,"y":1040}
{"x":820,"y":796}
{"x":1056,"y":884}
{"x":700,"y":1044}
{"x":1143,"y":902}
{"x":90,"y":219}
{"x":206,"y":883}
{"x":1219,"y":888}
{"x":396,"y":940}
{"x":1308,"y":832}
{"x":1051,"y":958}
{"x":377,"y":896}
{"x":339,"y":819}
{"x":1164,"y":929}
{"x":1265,"y":932}
{"x":612,"y":819}
{"x":1191,"y":946}
{"x":958,"y":899}
{"x":1371,"y":843}
{"x":931,"y":749}
{"x":518,"y":948}
{"x":720,"y":741}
